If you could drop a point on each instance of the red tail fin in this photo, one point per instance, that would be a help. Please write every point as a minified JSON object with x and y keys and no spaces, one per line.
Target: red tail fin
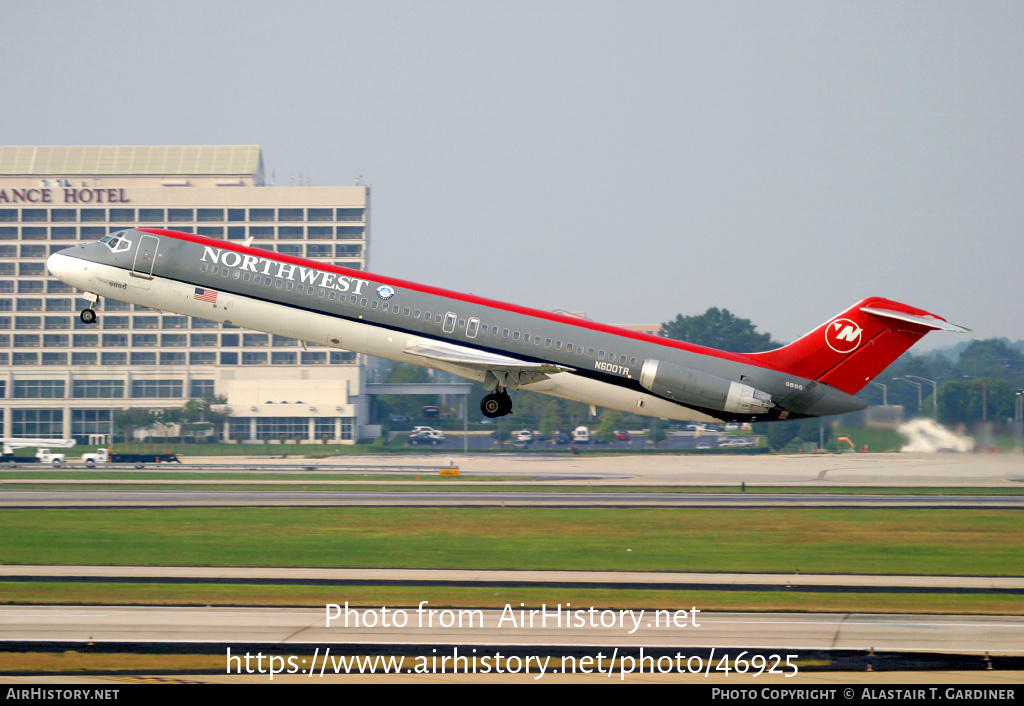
{"x":849,"y":350}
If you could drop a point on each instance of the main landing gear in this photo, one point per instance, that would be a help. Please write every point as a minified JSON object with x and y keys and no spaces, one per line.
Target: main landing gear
{"x":496,"y":404}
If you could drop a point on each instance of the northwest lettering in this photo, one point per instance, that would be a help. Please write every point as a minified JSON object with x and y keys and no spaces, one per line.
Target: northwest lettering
{"x":284,"y":270}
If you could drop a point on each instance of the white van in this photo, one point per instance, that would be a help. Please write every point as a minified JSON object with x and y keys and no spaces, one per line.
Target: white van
{"x":581,"y":435}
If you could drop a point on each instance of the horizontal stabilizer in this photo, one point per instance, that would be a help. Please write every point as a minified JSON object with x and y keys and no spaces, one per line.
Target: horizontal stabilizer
{"x":929,"y":321}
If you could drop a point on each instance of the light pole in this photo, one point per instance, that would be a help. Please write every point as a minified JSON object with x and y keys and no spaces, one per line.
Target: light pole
{"x":885,"y":392}
{"x":919,"y":388}
{"x":935,"y":391}
{"x":1018,"y":418}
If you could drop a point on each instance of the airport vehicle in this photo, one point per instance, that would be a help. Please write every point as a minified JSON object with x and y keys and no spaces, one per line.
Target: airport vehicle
{"x":103,"y":456}
{"x":581,"y":435}
{"x":525,"y":436}
{"x":43,"y":455}
{"x":507,"y":347}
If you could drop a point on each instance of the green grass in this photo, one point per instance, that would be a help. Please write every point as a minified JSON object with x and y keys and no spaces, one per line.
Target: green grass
{"x":114,"y":593}
{"x":962,"y":542}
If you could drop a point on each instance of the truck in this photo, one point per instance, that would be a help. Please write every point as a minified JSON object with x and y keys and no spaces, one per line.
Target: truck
{"x":43,"y":455}
{"x":581,"y":435}
{"x":103,"y":456}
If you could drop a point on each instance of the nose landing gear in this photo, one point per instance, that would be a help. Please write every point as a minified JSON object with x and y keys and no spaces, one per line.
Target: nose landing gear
{"x":496,"y":404}
{"x":88,"y":316}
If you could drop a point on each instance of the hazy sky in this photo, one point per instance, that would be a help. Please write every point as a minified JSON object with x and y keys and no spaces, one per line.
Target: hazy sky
{"x":634,"y":160}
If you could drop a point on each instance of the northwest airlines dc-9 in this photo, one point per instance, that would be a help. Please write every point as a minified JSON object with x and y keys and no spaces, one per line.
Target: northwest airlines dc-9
{"x":505,"y":346}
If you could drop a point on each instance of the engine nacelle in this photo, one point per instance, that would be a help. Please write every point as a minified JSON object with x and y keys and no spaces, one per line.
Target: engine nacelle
{"x":701,"y":389}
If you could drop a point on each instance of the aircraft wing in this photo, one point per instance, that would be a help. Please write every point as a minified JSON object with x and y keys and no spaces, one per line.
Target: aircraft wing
{"x":508,"y":371}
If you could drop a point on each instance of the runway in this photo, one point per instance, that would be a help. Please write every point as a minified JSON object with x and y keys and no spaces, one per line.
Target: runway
{"x":651,"y":580}
{"x":475,"y":498}
{"x":558,"y":625}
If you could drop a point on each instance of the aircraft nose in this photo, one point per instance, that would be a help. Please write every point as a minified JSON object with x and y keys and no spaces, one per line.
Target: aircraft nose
{"x":55,"y":264}
{"x":61,"y":266}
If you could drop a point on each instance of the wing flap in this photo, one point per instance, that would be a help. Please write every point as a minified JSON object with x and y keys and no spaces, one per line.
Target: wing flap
{"x":479,"y":360}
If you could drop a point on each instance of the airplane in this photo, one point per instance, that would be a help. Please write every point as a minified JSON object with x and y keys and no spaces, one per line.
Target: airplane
{"x":505,"y":346}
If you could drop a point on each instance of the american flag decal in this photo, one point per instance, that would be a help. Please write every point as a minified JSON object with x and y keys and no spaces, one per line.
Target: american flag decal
{"x":205,"y":295}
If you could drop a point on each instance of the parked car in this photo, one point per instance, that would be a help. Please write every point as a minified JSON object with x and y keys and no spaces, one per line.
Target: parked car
{"x":622,"y":435}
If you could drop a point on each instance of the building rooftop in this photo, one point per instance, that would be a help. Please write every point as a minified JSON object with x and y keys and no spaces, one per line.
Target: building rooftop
{"x":132,"y":160}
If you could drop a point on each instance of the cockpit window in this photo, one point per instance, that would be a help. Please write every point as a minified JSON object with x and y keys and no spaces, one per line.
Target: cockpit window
{"x":117,"y":242}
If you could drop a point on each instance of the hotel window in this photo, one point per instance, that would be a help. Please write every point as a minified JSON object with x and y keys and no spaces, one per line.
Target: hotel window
{"x":201,"y":388}
{"x":175,"y":340}
{"x":350,"y":214}
{"x":42,"y":423}
{"x":84,"y":359}
{"x":38,"y":389}
{"x":180,"y":215}
{"x":122,"y":215}
{"x":290,"y":214}
{"x":97,"y":389}
{"x":86,"y":340}
{"x":151,"y":215}
{"x":95,"y":215}
{"x":210,"y":215}
{"x":157,"y":389}
{"x":30,"y":305}
{"x":33,"y":215}
{"x":63,"y":215}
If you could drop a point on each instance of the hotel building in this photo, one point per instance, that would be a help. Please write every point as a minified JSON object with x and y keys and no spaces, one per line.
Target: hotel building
{"x":61,"y":378}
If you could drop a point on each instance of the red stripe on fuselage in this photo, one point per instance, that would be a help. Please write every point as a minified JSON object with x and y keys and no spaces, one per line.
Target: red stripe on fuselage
{"x":458,"y":296}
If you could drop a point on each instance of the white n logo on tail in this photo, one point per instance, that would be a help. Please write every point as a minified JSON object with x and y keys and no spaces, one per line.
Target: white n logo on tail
{"x":842,"y":335}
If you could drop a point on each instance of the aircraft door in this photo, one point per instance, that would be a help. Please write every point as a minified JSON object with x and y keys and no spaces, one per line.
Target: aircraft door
{"x":145,"y":257}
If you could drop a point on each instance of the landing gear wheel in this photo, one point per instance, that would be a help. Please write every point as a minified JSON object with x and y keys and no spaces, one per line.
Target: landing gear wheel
{"x":88,"y":316}
{"x":496,"y":405}
{"x":491,"y":406}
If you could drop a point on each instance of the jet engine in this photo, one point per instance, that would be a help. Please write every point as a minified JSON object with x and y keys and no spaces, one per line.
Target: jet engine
{"x":700,"y":389}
